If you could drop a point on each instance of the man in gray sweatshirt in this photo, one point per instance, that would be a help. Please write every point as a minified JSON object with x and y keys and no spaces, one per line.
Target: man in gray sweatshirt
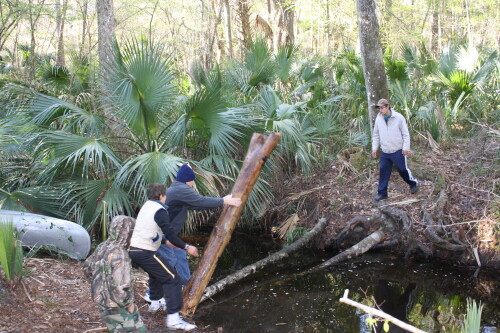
{"x":390,"y":132}
{"x":181,"y":197}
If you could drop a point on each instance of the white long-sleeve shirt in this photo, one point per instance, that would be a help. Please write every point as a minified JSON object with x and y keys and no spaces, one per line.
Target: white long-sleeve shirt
{"x":391,"y":136}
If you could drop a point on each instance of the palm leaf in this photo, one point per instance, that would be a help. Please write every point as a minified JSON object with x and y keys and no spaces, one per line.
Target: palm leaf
{"x":39,"y":199}
{"x":207,"y":118}
{"x":56,"y":77}
{"x":75,"y":149}
{"x":153,"y":167}
{"x":139,"y":84}
{"x":46,"y":110}
{"x":90,"y":198}
{"x":284,"y":60}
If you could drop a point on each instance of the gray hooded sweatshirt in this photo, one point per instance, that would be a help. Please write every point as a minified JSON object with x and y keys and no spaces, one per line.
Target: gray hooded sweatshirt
{"x":181,"y":198}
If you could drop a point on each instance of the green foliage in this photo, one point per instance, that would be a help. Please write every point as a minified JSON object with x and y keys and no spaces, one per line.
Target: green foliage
{"x":472,"y":322}
{"x":11,"y":252}
{"x":295,"y":234}
{"x":86,"y":155}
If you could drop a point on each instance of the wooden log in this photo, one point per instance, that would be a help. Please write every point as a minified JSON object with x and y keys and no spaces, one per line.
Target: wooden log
{"x":250,"y":269}
{"x":356,"y":250}
{"x":259,"y":150}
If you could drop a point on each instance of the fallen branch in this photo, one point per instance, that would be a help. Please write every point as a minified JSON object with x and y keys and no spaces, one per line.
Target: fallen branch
{"x":366,"y":244}
{"x":401,"y":203}
{"x":99,"y":329}
{"x":250,"y":269}
{"x":378,"y":313}
{"x":296,"y":196}
{"x":477,"y":189}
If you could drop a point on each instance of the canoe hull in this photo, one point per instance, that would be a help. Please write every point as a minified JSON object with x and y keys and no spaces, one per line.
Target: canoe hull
{"x":60,"y":235}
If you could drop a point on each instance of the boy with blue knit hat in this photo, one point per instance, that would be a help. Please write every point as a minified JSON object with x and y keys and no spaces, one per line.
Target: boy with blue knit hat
{"x":181,"y":197}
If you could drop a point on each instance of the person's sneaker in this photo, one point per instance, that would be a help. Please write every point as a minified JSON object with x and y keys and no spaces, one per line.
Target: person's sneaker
{"x":146,"y":297}
{"x":159,"y":305}
{"x":414,"y":189}
{"x":175,"y":321}
{"x":379,"y":197}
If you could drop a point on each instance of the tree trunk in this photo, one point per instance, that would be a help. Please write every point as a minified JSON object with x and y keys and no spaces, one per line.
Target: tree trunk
{"x":250,"y":269}
{"x":34,"y":11}
{"x":151,"y":21}
{"x":60,"y":19}
{"x":84,"y":10}
{"x":105,"y":29}
{"x":371,"y":56}
{"x":259,"y":150}
{"x":229,"y":31}
{"x":284,"y":20}
{"x":214,"y":35}
{"x":244,"y":23}
{"x":435,"y":27}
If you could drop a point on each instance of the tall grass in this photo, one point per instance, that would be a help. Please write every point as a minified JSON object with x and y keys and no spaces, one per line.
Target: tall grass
{"x":11,"y":252}
{"x":472,"y":322}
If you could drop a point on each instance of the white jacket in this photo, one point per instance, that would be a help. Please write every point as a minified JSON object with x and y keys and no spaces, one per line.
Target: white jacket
{"x":147,"y":234}
{"x":391,"y":136}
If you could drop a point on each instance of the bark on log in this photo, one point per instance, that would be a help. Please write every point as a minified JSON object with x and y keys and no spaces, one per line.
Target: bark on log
{"x":250,"y":269}
{"x":354,"y":251}
{"x":259,"y":150}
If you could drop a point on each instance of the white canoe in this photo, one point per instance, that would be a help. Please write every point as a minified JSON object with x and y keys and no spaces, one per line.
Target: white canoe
{"x":62,"y":236}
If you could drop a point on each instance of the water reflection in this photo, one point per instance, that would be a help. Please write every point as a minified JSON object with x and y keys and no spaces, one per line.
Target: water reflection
{"x":430,"y":297}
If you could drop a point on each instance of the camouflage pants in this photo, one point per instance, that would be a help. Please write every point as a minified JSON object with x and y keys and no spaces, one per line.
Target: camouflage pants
{"x":119,"y":320}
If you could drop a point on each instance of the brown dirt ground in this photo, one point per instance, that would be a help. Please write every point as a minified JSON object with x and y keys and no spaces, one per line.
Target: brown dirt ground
{"x":54,"y":297}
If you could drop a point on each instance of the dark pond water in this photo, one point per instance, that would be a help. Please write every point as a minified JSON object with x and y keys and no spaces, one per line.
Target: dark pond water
{"x":430,"y":296}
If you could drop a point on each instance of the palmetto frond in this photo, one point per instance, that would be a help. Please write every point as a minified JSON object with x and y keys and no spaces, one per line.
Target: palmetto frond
{"x":43,"y":199}
{"x":75,"y":150}
{"x":268,"y":102}
{"x":139,"y":85}
{"x":90,"y":198}
{"x":48,"y":111}
{"x":259,"y":61}
{"x":484,"y":72}
{"x":284,"y":60}
{"x":56,"y":77}
{"x":395,"y":69}
{"x":153,"y":167}
{"x":207,"y":119}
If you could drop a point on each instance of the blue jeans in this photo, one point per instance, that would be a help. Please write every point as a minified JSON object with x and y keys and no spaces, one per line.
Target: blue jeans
{"x":178,"y":259}
{"x":386,"y":162}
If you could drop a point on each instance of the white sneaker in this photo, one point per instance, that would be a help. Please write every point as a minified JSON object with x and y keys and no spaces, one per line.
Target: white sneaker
{"x":159,"y":305}
{"x":174,"y":321}
{"x":146,"y":297}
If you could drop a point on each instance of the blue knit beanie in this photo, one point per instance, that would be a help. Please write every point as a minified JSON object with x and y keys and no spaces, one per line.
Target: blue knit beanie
{"x":185,"y":174}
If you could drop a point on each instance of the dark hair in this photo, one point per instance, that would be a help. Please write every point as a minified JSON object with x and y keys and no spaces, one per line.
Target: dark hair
{"x":155,"y":190}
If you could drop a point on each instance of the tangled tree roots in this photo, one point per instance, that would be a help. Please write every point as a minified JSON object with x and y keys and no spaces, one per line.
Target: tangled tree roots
{"x":431,"y":236}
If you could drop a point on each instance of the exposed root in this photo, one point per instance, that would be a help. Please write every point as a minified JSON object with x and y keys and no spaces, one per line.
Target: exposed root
{"x":435,"y":239}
